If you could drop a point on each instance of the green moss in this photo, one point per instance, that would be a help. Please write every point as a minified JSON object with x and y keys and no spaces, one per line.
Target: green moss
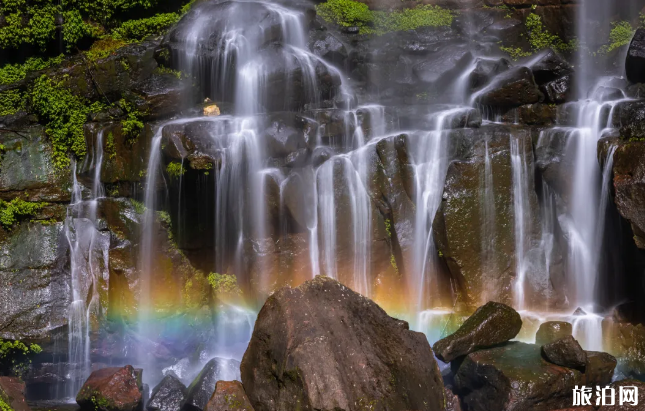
{"x":393,"y":263}
{"x":142,"y":28}
{"x":12,"y":211}
{"x":166,"y":70}
{"x":540,"y":38}
{"x":104,"y":48}
{"x":224,"y":284}
{"x":64,"y":115}
{"x":132,"y":125}
{"x":350,"y":13}
{"x":515,"y":53}
{"x":621,"y":35}
{"x":165,"y":218}
{"x":15,"y":357}
{"x":4,"y":406}
{"x":11,"y":73}
{"x":110,"y":146}
{"x":11,"y":101}
{"x":175,"y":170}
{"x":139,"y":207}
{"x":388,"y":227}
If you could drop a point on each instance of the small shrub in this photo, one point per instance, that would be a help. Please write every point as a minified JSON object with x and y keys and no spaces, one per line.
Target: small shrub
{"x":515,"y":53}
{"x":132,"y":125}
{"x":14,"y":210}
{"x":14,"y":358}
{"x":142,"y":28}
{"x":175,"y":170}
{"x":224,"y":284}
{"x":621,"y":35}
{"x":11,"y":101}
{"x":11,"y":73}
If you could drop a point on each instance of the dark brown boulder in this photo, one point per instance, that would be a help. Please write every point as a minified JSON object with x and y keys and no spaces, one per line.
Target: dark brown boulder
{"x":550,"y":66}
{"x":452,"y":401}
{"x":203,"y":386}
{"x":321,"y":346}
{"x":12,"y":393}
{"x":515,"y":377}
{"x":512,"y":88}
{"x":492,"y":324}
{"x":629,"y":183}
{"x":112,"y":389}
{"x":229,"y":396}
{"x":551,"y":331}
{"x":635,"y":62}
{"x":566,"y":352}
{"x":168,"y":395}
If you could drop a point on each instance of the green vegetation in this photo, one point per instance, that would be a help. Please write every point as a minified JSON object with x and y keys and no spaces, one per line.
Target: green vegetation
{"x":224,"y":284}
{"x":620,"y":35}
{"x":139,"y":207}
{"x":14,"y":357}
{"x":515,"y":53}
{"x":12,"y":211}
{"x":16,"y":72}
{"x":133,"y":124}
{"x":104,"y":48}
{"x":539,"y":38}
{"x":350,"y":13}
{"x":65,"y":115}
{"x":175,"y":169}
{"x":11,"y":101}
{"x":142,"y":28}
{"x":110,"y":146}
{"x":4,"y":406}
{"x":100,"y":403}
{"x":166,"y":70}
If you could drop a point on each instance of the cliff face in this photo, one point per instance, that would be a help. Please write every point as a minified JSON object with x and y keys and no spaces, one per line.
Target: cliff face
{"x":351,"y":118}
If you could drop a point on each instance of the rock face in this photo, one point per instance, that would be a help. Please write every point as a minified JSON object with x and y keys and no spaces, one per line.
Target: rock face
{"x":491,"y":324}
{"x":635,"y":62}
{"x":168,"y":395}
{"x":515,"y":377}
{"x":324,"y":347}
{"x":566,"y":352}
{"x":12,"y":392}
{"x":112,"y":389}
{"x":551,"y":331}
{"x":229,"y":396}
{"x":627,"y":406}
{"x":203,"y":386}
{"x":512,"y":88}
{"x":629,"y":183}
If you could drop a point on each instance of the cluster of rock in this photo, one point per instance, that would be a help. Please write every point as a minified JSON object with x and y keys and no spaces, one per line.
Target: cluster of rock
{"x":321,"y":346}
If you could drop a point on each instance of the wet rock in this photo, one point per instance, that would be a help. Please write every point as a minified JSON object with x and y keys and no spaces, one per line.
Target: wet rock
{"x":491,"y":324}
{"x":229,"y":396}
{"x":627,"y":406}
{"x":629,"y":116}
{"x":515,"y":377}
{"x":298,"y":193}
{"x":600,"y":367}
{"x":629,"y":184}
{"x":558,"y":91}
{"x":305,"y":361}
{"x":298,"y":158}
{"x":320,"y":155}
{"x":168,"y":395}
{"x":286,"y":133}
{"x":426,"y":117}
{"x":327,"y":46}
{"x":626,"y":342}
{"x":28,"y":169}
{"x":334,"y":124}
{"x":513,"y":88}
{"x":551,"y":331}
{"x":452,"y":401}
{"x":607,"y":94}
{"x":485,"y":70}
{"x":443,"y":65}
{"x":566,"y":352}
{"x":112,"y":389}
{"x":550,"y":66}
{"x":532,"y":115}
{"x":202,"y":388}
{"x":635,"y":61}
{"x":579,"y":312}
{"x":34,"y":291}
{"x":12,"y":393}
{"x":162,"y":95}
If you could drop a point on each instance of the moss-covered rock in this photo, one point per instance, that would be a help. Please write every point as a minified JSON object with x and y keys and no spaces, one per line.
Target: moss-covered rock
{"x":112,"y":389}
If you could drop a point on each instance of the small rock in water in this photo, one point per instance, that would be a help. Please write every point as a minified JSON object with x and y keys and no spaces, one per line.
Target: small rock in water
{"x":168,"y":395}
{"x":203,"y":386}
{"x":229,"y":396}
{"x":112,"y":389}
{"x":492,"y":324}
{"x":566,"y":352}
{"x":551,"y":331}
{"x":579,"y":312}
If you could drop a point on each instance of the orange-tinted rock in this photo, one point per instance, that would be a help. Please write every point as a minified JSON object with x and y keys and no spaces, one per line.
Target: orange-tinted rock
{"x":112,"y":389}
{"x":12,"y":391}
{"x":229,"y":396}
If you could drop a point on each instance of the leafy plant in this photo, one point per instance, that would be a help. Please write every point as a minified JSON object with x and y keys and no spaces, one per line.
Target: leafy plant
{"x":11,"y":73}
{"x":175,"y":169}
{"x":133,"y":124}
{"x":12,"y":211}
{"x":11,"y":101}
{"x":515,"y":53}
{"x":621,"y":35}
{"x":14,"y":357}
{"x":142,"y":28}
{"x":65,"y":115}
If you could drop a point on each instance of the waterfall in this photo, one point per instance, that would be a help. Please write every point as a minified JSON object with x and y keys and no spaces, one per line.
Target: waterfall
{"x":430,"y":168}
{"x":88,"y":248}
{"x":521,"y":209}
{"x":488,"y":213}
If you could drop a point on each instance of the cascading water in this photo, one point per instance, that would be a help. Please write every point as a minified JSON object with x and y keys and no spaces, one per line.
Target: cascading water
{"x":520,"y":212}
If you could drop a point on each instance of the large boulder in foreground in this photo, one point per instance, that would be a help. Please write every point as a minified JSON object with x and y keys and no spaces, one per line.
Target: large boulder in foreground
{"x":112,"y":389}
{"x":321,"y":346}
{"x":515,"y":377}
{"x":627,"y":406}
{"x":492,"y":324}
{"x":168,"y":395}
{"x":635,"y":62}
{"x":229,"y":396}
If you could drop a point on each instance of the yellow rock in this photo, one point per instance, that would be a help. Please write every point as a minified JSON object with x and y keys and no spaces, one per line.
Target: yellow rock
{"x":211,"y":110}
